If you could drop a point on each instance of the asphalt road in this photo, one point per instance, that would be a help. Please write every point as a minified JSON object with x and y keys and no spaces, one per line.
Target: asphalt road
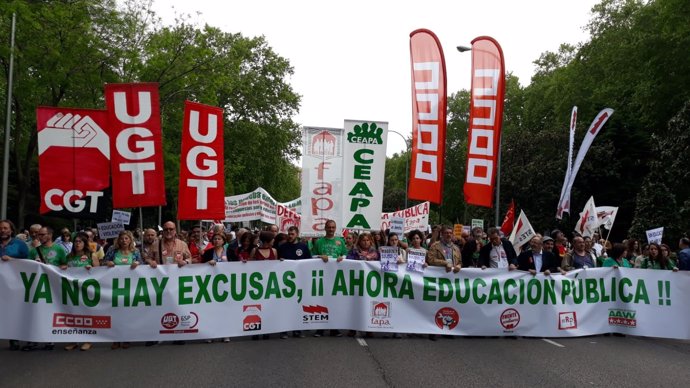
{"x":372,"y":362}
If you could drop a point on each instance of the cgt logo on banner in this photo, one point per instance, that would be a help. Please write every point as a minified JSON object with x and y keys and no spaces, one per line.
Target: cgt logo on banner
{"x":447,"y":318}
{"x":314,"y":314}
{"x":252,"y":319}
{"x":69,"y":139}
{"x":174,"y":324}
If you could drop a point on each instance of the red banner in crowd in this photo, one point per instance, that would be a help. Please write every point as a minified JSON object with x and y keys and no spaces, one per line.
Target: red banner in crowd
{"x":202,"y":167}
{"x":428,"y":117}
{"x":486,"y":117}
{"x":136,"y":144}
{"x":73,"y":160}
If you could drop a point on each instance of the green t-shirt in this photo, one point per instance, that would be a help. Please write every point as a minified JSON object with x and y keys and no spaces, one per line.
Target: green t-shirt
{"x":75,"y":260}
{"x":53,"y":255}
{"x":331,"y":247}
{"x":123,"y":259}
{"x":611,"y":262}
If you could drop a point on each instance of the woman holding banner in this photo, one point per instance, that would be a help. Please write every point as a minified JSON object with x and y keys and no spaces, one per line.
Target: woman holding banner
{"x":616,"y":257}
{"x":394,"y":241}
{"x":655,"y":260}
{"x":81,"y":256}
{"x":364,"y":249}
{"x":218,"y":253}
{"x":123,"y":252}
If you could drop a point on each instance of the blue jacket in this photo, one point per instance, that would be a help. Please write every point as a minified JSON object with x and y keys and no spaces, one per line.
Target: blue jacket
{"x":15,"y":249}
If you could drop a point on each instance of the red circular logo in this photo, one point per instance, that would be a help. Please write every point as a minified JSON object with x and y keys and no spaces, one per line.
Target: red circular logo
{"x":510,"y":318}
{"x":447,"y":318}
{"x":170,"y":321}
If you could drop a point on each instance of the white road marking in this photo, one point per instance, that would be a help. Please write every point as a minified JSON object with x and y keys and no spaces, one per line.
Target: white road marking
{"x":362,"y":342}
{"x":554,"y":343}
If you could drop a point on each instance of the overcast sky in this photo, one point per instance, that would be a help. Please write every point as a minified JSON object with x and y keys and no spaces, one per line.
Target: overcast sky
{"x":352,"y":58}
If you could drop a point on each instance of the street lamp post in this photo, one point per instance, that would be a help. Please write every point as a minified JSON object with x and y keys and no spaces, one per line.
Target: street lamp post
{"x":463,"y":49}
{"x":407,"y":163}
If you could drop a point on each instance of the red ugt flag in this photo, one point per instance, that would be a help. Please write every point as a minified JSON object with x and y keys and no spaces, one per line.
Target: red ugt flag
{"x":202,"y":178}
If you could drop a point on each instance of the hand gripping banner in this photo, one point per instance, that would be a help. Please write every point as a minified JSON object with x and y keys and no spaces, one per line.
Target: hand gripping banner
{"x":73,"y":161}
{"x":486,"y":118}
{"x":202,"y":172}
{"x":136,"y":147}
{"x":429,"y":97}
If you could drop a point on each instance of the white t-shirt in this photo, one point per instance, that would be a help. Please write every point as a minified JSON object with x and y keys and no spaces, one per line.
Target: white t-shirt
{"x":498,"y":256}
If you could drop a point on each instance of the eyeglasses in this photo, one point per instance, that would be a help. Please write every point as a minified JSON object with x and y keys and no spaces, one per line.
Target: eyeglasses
{"x":169,"y":229}
{"x":42,"y":234}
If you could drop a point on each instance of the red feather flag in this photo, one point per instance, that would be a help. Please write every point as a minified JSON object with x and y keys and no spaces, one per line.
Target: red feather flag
{"x":509,"y":220}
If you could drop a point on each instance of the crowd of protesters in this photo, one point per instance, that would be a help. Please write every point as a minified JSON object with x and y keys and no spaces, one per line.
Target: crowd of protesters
{"x":548,"y":253}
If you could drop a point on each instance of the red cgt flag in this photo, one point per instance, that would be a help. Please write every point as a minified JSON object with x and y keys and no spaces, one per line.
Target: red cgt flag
{"x":509,"y":220}
{"x":428,"y":117}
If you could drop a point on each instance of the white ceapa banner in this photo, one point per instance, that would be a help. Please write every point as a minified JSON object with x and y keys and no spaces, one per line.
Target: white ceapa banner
{"x":364,"y":165}
{"x":655,"y":235}
{"x":416,"y":217}
{"x":45,"y":304}
{"x":322,"y":171}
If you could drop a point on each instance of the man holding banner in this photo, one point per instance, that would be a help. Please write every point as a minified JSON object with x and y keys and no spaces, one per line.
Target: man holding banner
{"x":444,"y":253}
{"x":498,"y":253}
{"x":330,"y":246}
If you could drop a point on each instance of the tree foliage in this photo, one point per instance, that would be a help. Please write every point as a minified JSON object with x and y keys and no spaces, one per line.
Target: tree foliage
{"x":634,"y":62}
{"x":67,"y":50}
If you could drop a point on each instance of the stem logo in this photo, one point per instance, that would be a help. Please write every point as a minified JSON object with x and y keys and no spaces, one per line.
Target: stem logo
{"x":625,"y":318}
{"x":174,"y":324}
{"x":380,"y":314}
{"x":510,"y":318}
{"x":447,"y":318}
{"x":314,"y":314}
{"x":81,"y":321}
{"x":252,"y":319}
{"x":567,"y":321}
{"x":366,"y":134}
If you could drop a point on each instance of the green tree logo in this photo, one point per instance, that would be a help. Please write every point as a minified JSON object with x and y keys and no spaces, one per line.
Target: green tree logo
{"x":365,"y":133}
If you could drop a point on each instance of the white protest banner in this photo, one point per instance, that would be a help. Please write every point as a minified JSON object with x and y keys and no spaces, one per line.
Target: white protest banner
{"x":43,"y":303}
{"x":109,"y":229}
{"x":397,"y":225}
{"x":364,"y":164}
{"x":477,"y":223}
{"x":655,"y":235}
{"x":416,"y":258}
{"x":416,"y":217}
{"x":389,"y":258}
{"x":121,"y":216}
{"x":255,"y":206}
{"x":322,"y":174}
{"x":522,"y":232}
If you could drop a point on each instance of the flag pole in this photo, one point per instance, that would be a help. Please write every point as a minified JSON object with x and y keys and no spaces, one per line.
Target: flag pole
{"x":6,"y":158}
